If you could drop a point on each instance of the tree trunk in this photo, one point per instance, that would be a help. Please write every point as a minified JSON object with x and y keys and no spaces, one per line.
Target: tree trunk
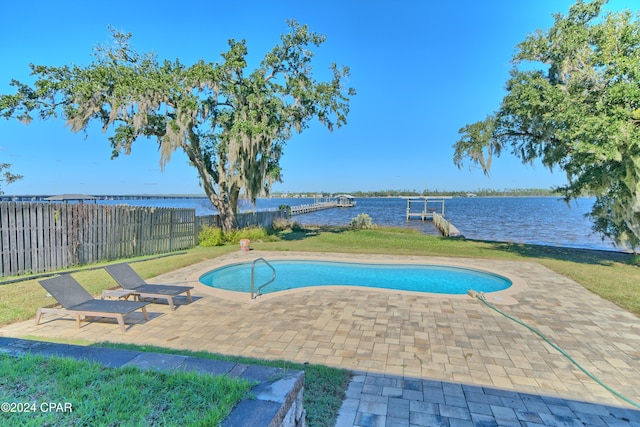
{"x":227,"y":218}
{"x":227,"y":206}
{"x":226,"y":202}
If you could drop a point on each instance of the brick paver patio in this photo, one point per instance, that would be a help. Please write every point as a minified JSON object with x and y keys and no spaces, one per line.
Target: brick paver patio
{"x":454,"y":340}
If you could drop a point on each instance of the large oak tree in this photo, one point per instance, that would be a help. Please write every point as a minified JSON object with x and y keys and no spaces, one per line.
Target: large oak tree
{"x":231,"y":122}
{"x":573,"y":101}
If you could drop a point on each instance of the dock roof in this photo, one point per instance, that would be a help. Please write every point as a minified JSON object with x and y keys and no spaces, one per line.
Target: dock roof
{"x":70,"y":197}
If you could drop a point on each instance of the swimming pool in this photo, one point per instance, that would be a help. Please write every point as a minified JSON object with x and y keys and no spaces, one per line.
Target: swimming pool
{"x":305,"y":273}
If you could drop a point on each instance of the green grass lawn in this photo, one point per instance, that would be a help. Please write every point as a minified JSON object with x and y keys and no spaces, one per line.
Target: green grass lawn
{"x":88,"y":394}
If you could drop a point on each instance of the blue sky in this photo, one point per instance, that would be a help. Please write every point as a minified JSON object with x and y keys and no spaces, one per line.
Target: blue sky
{"x":422,"y":69}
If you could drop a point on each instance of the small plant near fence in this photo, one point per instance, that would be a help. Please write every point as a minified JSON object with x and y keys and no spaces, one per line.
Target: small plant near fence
{"x":254,"y":234}
{"x":362,"y":221}
{"x":285,"y":208}
{"x":213,"y":236}
{"x":284,"y":224}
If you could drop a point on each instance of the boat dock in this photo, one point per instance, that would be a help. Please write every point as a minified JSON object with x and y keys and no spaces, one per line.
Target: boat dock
{"x":312,"y":207}
{"x":428,"y":206}
{"x":342,"y":201}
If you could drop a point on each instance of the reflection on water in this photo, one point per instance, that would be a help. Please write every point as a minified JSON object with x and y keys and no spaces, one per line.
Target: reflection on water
{"x":540,"y":220}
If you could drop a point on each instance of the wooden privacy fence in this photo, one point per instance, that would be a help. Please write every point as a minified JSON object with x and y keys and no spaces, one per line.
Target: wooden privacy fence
{"x":40,"y":237}
{"x":245,"y":219}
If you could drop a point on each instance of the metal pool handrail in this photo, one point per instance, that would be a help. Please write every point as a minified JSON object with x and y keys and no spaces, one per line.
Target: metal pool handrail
{"x":253,"y":268}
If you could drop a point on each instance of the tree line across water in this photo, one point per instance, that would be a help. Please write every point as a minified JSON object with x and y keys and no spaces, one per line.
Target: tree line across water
{"x":487,"y":192}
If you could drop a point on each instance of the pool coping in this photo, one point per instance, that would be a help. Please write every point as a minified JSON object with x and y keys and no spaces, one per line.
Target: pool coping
{"x":503,"y":297}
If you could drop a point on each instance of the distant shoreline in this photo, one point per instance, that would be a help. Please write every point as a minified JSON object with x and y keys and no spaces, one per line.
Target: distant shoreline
{"x":42,"y":197}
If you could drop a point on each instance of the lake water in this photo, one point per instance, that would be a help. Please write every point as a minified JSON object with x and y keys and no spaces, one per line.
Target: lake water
{"x":539,"y":220}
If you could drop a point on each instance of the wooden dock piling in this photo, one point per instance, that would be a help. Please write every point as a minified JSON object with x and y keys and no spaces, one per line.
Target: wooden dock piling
{"x":445,"y":227}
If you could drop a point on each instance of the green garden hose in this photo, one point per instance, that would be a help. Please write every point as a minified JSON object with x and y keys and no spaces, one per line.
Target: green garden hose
{"x":481,"y":298}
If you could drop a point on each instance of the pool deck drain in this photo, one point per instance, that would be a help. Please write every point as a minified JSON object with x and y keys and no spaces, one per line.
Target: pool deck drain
{"x":403,"y":335}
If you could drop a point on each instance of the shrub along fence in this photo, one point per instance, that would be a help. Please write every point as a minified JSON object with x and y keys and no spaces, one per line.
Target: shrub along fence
{"x":245,"y":219}
{"x":42,"y":237}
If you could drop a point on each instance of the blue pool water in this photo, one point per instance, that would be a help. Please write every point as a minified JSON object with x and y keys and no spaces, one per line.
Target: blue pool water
{"x":296,"y":274}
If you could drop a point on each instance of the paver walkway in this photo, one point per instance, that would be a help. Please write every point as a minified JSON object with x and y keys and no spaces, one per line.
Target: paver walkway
{"x":452,"y":340}
{"x":376,"y":400}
